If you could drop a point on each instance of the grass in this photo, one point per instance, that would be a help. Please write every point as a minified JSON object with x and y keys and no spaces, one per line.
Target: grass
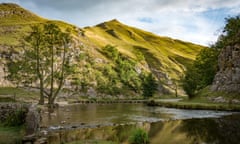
{"x":207,"y":93}
{"x":92,"y":142}
{"x":17,"y":94}
{"x":10,"y":135}
{"x":162,"y":53}
{"x":199,"y":102}
{"x":18,"y":16}
{"x":200,"y":105}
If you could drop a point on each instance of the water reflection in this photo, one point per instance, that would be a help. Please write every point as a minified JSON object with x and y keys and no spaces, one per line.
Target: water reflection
{"x":224,"y":130}
{"x":115,"y":122}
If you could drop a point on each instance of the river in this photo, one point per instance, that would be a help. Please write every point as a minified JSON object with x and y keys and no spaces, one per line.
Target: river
{"x":115,"y":122}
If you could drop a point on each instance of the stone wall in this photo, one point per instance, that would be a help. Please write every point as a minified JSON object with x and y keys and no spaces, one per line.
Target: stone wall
{"x":32,"y":115}
{"x":6,"y":109}
{"x":228,"y":77}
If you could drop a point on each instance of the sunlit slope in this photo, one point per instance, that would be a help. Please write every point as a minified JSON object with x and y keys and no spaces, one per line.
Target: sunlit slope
{"x":16,"y":22}
{"x":162,"y":54}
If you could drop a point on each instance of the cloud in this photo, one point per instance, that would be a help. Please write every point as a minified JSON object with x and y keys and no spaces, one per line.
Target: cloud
{"x":189,"y":20}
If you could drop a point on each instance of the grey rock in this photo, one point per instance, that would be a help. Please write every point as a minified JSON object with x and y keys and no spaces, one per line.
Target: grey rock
{"x":32,"y":120}
{"x":228,"y":77}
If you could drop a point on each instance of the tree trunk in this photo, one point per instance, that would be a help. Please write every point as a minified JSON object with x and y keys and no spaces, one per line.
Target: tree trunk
{"x":41,"y":101}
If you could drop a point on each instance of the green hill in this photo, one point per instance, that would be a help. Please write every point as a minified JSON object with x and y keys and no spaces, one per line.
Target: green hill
{"x":98,"y":74}
{"x":164,"y":56}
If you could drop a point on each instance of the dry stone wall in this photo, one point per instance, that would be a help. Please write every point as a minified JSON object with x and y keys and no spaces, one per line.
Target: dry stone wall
{"x":6,"y":109}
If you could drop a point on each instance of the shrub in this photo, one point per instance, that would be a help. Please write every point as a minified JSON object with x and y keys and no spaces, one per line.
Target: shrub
{"x":139,"y":136}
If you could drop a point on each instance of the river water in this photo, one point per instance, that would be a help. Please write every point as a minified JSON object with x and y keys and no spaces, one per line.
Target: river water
{"x":107,"y":114}
{"x":116,"y":122}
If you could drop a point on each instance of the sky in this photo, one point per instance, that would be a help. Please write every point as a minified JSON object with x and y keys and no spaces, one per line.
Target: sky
{"x":197,"y":21}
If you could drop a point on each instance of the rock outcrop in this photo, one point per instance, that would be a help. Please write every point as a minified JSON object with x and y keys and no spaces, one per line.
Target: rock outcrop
{"x":227,"y":78}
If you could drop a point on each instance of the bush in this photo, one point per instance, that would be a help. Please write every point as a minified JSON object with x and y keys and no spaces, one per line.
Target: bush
{"x":139,"y":136}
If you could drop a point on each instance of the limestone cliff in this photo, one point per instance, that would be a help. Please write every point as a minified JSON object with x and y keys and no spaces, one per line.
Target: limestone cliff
{"x":228,"y":77}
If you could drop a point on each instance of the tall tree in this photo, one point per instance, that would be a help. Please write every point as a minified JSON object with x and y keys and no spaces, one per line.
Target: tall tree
{"x":44,"y":62}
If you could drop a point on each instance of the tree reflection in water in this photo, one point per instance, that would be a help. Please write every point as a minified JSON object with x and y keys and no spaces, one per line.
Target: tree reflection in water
{"x":194,"y":131}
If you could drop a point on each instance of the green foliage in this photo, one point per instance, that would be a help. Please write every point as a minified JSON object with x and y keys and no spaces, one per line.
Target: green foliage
{"x":206,"y":65}
{"x":190,"y":81}
{"x":111,"y":52}
{"x":202,"y":72}
{"x":45,"y":60}
{"x":139,"y":136}
{"x":121,"y":74}
{"x":230,"y":34}
{"x":149,"y":86}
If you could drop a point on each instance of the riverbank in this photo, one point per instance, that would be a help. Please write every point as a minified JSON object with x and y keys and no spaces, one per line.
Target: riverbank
{"x":206,"y":100}
{"x":195,"y":105}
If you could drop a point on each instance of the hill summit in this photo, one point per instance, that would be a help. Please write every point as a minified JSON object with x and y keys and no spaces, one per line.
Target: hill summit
{"x":12,"y":13}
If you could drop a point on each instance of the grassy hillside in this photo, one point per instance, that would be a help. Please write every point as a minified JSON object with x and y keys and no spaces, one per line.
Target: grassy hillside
{"x":138,"y":52}
{"x":163,"y":55}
